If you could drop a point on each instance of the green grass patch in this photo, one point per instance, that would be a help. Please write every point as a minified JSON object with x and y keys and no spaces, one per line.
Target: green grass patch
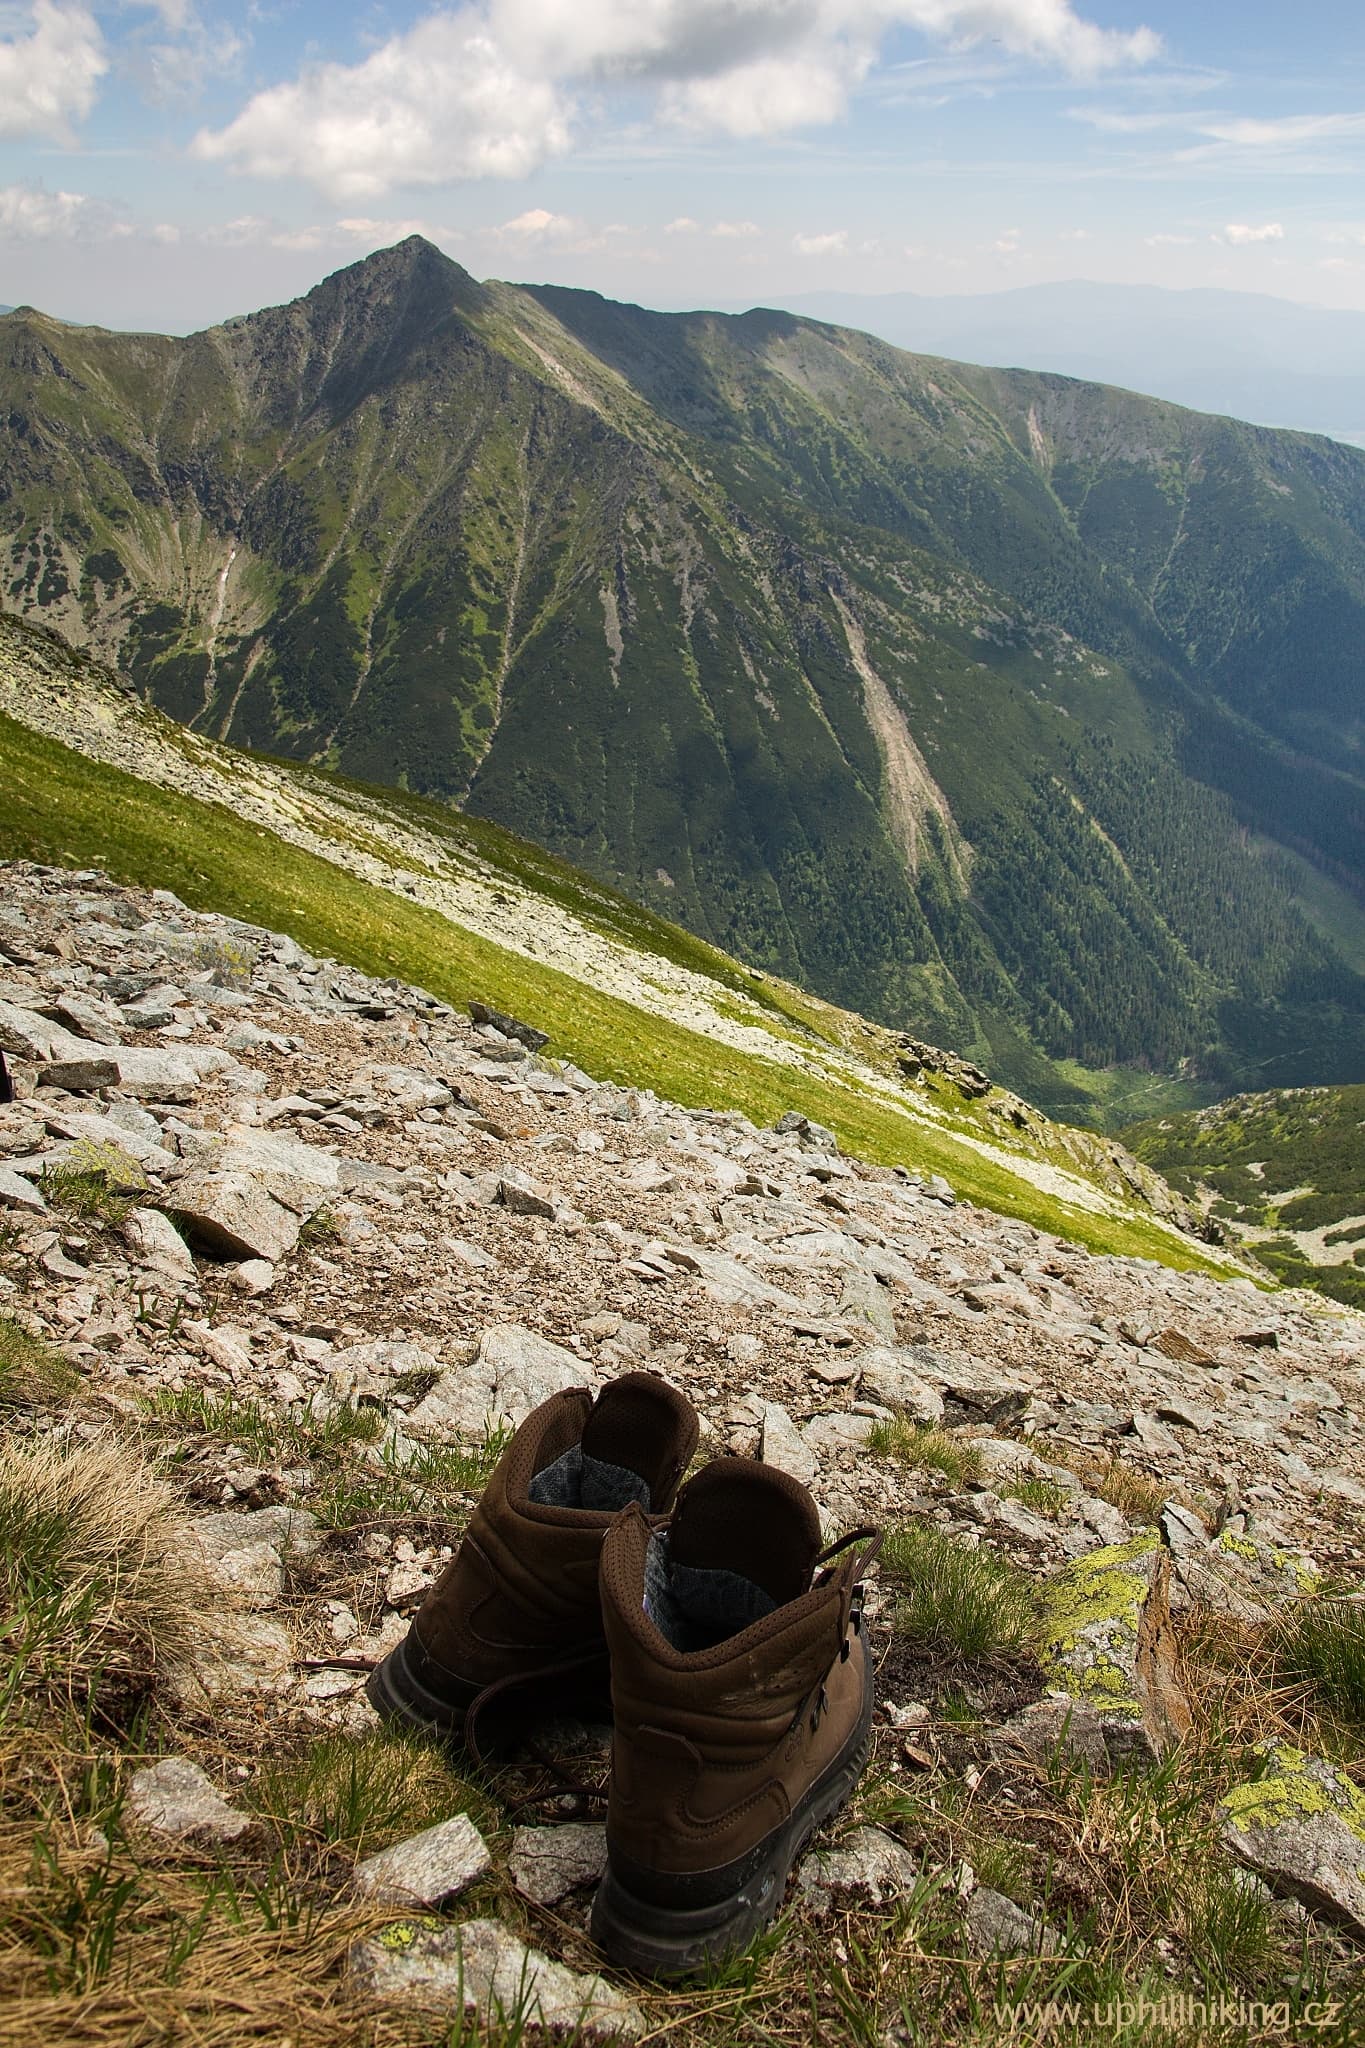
{"x":95,"y":1183}
{"x":359,"y":1796}
{"x":423,"y":1481}
{"x":1322,"y":1642}
{"x":920,"y":1443}
{"x":1040,"y":1496}
{"x":316,"y":1429}
{"x":956,"y":1599}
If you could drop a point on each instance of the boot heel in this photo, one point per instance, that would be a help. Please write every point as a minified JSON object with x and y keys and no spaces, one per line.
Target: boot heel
{"x":399,"y":1697}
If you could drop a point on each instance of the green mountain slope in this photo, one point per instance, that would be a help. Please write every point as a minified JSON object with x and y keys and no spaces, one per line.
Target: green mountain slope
{"x":401,"y":885}
{"x":1285,"y":1170}
{"x":947,"y":693}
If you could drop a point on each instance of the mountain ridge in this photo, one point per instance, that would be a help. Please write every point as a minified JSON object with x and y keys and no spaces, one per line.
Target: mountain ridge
{"x":688,"y":599}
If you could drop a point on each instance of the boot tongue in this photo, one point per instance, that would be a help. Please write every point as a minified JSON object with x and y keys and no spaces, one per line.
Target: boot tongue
{"x":750,"y":1520}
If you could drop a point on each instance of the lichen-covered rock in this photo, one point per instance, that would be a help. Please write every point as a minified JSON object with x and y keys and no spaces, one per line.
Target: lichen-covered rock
{"x":1247,"y":1578}
{"x":1300,"y":1824}
{"x":1108,"y":1641}
{"x":480,"y":1967}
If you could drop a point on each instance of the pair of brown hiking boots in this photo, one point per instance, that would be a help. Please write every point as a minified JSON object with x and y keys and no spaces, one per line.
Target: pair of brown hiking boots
{"x":740,"y":1683}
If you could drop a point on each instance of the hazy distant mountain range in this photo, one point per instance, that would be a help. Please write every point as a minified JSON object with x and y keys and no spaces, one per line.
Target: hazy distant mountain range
{"x":1021,"y":713}
{"x":1250,"y":355}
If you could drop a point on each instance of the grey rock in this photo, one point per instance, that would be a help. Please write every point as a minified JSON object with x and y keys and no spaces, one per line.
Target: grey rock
{"x":868,"y":1864}
{"x":784,"y":1445}
{"x":997,"y":1927}
{"x":253,"y":1276}
{"x":1185,"y":1414}
{"x":1182,"y":1531}
{"x":864,"y":1300}
{"x":1301,"y":1826}
{"x":982,"y":1392}
{"x":481,"y":1968}
{"x":176,"y":1799}
{"x":831,"y":1433}
{"x":429,"y":1868}
{"x":1107,"y":1639}
{"x":369,"y":1367}
{"x":1104,"y":1518}
{"x":1037,"y":1731}
{"x":546,"y":1864}
{"x":168,"y":1076}
{"x":257,"y":1657}
{"x":24,"y":1035}
{"x":122,"y":1124}
{"x":514,"y":1371}
{"x":525,"y":1196}
{"x":158,"y":1245}
{"x":1004,"y":1458}
{"x":233,"y":1215}
{"x":18,"y":1193}
{"x":510,"y":1027}
{"x":1154,"y":1436}
{"x":249,"y":1552}
{"x":730,"y":1281}
{"x":892,"y":1377}
{"x":80,"y":1076}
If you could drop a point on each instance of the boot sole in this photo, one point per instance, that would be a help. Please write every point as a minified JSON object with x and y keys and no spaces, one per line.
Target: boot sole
{"x":399,"y":1697}
{"x":671,"y":1943}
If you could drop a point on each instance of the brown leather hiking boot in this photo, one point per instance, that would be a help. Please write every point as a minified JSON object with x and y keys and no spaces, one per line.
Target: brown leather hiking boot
{"x":742,"y":1695}
{"x":519,"y":1600}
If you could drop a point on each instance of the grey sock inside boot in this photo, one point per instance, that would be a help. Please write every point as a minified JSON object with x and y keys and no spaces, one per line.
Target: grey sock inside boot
{"x":577,"y":1481}
{"x":694,"y":1608}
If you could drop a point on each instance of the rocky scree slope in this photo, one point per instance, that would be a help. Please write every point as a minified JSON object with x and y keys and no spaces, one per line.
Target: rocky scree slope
{"x":373,"y":875}
{"x":849,"y":660}
{"x":313,"y":1239}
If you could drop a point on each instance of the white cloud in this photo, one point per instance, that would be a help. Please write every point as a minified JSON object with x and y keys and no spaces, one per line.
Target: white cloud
{"x":683,"y":225}
{"x":487,"y":90}
{"x":438,"y":103}
{"x":538,"y":226}
{"x":835,"y":244}
{"x":1241,"y":234}
{"x":735,"y":230}
{"x":29,"y":213}
{"x":49,"y":75}
{"x":1163,"y":241}
{"x":1286,"y":132}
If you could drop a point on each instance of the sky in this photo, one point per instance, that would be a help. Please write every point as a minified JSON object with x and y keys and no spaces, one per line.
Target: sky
{"x":167,"y":163}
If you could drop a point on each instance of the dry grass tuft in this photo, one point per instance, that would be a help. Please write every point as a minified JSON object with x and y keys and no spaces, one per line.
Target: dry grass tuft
{"x":32,"y":1374}
{"x":98,"y":1575}
{"x":1135,"y":1494}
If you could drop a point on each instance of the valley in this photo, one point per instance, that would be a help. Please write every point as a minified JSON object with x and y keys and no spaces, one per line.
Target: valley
{"x":974,"y":701}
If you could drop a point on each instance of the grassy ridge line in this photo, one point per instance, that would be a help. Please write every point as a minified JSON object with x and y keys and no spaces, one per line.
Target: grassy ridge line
{"x":62,"y":807}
